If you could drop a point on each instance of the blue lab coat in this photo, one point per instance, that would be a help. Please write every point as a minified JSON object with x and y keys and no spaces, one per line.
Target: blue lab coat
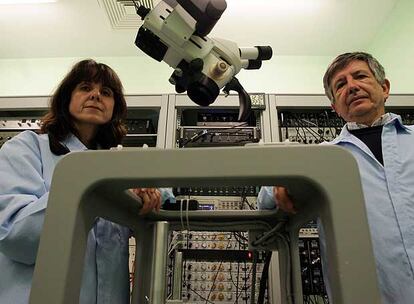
{"x":389,"y":198}
{"x":26,"y":168}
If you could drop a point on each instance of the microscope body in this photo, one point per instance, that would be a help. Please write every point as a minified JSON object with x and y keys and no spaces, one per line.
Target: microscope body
{"x":176,"y":32}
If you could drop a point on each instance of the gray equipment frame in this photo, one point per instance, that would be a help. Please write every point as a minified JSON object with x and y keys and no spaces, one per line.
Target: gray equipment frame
{"x":323,"y":180}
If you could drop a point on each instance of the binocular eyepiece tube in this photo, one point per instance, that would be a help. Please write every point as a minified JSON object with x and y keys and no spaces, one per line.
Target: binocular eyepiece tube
{"x":256,"y":53}
{"x":252,"y":57}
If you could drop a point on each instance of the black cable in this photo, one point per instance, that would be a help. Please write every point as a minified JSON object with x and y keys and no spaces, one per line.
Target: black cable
{"x":264,"y":278}
{"x":236,"y":236}
{"x":245,"y":201}
{"x":207,"y":131}
{"x":304,"y":134}
{"x":298,"y":136}
{"x":245,"y":286}
{"x":253,"y":282}
{"x":245,"y":282}
{"x":242,"y":197}
{"x":299,"y":126}
{"x":313,"y":132}
{"x":300,"y":122}
{"x":232,"y":281}
{"x":136,"y":5}
{"x":295,"y":124}
{"x":201,"y":297}
{"x":327,"y":123}
{"x":237,"y":283}
{"x":193,"y":138}
{"x":215,"y":276}
{"x":241,"y":239}
{"x":244,"y":241}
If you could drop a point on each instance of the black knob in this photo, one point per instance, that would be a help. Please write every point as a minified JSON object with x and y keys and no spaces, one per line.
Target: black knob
{"x":142,"y":11}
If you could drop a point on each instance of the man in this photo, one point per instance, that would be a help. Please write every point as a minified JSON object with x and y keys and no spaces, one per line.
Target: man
{"x":384,"y":150}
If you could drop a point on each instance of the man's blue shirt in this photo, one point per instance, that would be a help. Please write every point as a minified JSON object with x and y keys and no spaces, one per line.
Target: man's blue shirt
{"x":389,"y":198}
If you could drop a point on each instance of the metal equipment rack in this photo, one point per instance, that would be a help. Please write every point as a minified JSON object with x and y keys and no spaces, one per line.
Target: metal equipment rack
{"x":99,"y":180}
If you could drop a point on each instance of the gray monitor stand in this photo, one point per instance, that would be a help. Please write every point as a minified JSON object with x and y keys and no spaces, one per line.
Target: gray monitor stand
{"x":324,"y":181}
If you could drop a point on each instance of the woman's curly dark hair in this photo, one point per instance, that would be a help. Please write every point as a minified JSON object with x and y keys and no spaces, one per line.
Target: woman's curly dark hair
{"x":58,"y":122}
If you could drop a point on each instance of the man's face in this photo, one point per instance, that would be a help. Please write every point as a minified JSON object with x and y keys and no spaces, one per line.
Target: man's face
{"x":358,"y":95}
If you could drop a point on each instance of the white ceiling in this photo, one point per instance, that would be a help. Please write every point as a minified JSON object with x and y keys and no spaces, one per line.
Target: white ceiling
{"x":82,"y":28}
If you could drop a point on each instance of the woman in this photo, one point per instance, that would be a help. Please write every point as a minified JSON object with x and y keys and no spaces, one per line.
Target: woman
{"x":86,"y":112}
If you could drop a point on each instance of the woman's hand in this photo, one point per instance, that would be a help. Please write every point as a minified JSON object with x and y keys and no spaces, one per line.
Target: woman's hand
{"x":151,"y":199}
{"x":283,"y":199}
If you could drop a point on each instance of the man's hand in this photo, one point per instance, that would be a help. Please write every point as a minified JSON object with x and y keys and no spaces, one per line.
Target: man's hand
{"x":151,"y":199}
{"x":283,"y":199}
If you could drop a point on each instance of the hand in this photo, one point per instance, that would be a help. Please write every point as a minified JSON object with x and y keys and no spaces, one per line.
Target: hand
{"x":151,"y":199}
{"x":283,"y":199}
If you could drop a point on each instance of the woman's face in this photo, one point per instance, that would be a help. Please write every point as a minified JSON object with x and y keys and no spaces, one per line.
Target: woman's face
{"x":91,"y":104}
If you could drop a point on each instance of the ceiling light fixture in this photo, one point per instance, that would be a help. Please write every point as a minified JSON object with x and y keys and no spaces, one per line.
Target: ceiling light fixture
{"x":25,"y":1}
{"x":281,"y":5}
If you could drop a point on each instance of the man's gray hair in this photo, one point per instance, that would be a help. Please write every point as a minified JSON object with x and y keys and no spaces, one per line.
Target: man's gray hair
{"x":343,"y":60}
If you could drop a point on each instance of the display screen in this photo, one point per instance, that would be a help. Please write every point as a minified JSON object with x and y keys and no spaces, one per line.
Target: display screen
{"x":206,"y":207}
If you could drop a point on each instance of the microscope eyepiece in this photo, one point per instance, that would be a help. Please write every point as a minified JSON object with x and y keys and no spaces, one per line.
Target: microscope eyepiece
{"x":265,"y":52}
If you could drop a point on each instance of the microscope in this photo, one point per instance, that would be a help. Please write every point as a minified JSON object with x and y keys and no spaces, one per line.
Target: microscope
{"x":175,"y":31}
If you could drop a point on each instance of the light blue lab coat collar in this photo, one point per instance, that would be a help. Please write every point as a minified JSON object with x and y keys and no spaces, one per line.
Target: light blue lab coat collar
{"x":346,"y":136}
{"x":73,"y":143}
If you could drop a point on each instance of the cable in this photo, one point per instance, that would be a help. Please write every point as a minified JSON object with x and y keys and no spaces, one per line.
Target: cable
{"x":264,"y":278}
{"x":181,"y":216}
{"x":243,"y":287}
{"x":207,"y":131}
{"x":244,"y":200}
{"x":299,"y":123}
{"x":298,"y":135}
{"x":136,"y":5}
{"x":305,"y":127}
{"x":201,"y":297}
{"x":215,"y":278}
{"x":245,"y":282}
{"x":327,"y":123}
{"x":194,"y":138}
{"x":173,"y":240}
{"x":186,"y":215}
{"x":208,"y":225}
{"x":241,"y":240}
{"x":253,"y":283}
{"x":176,"y":244}
{"x":285,"y":242}
{"x":268,"y":234}
{"x":237,"y":282}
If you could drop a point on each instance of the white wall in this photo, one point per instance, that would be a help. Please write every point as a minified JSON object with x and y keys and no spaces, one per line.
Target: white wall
{"x":143,"y":75}
{"x":394,"y":47}
{"x":40,"y":76}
